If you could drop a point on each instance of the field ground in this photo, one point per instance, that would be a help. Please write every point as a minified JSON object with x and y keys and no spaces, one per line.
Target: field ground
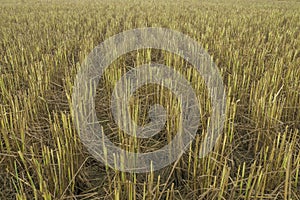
{"x":256,"y":46}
